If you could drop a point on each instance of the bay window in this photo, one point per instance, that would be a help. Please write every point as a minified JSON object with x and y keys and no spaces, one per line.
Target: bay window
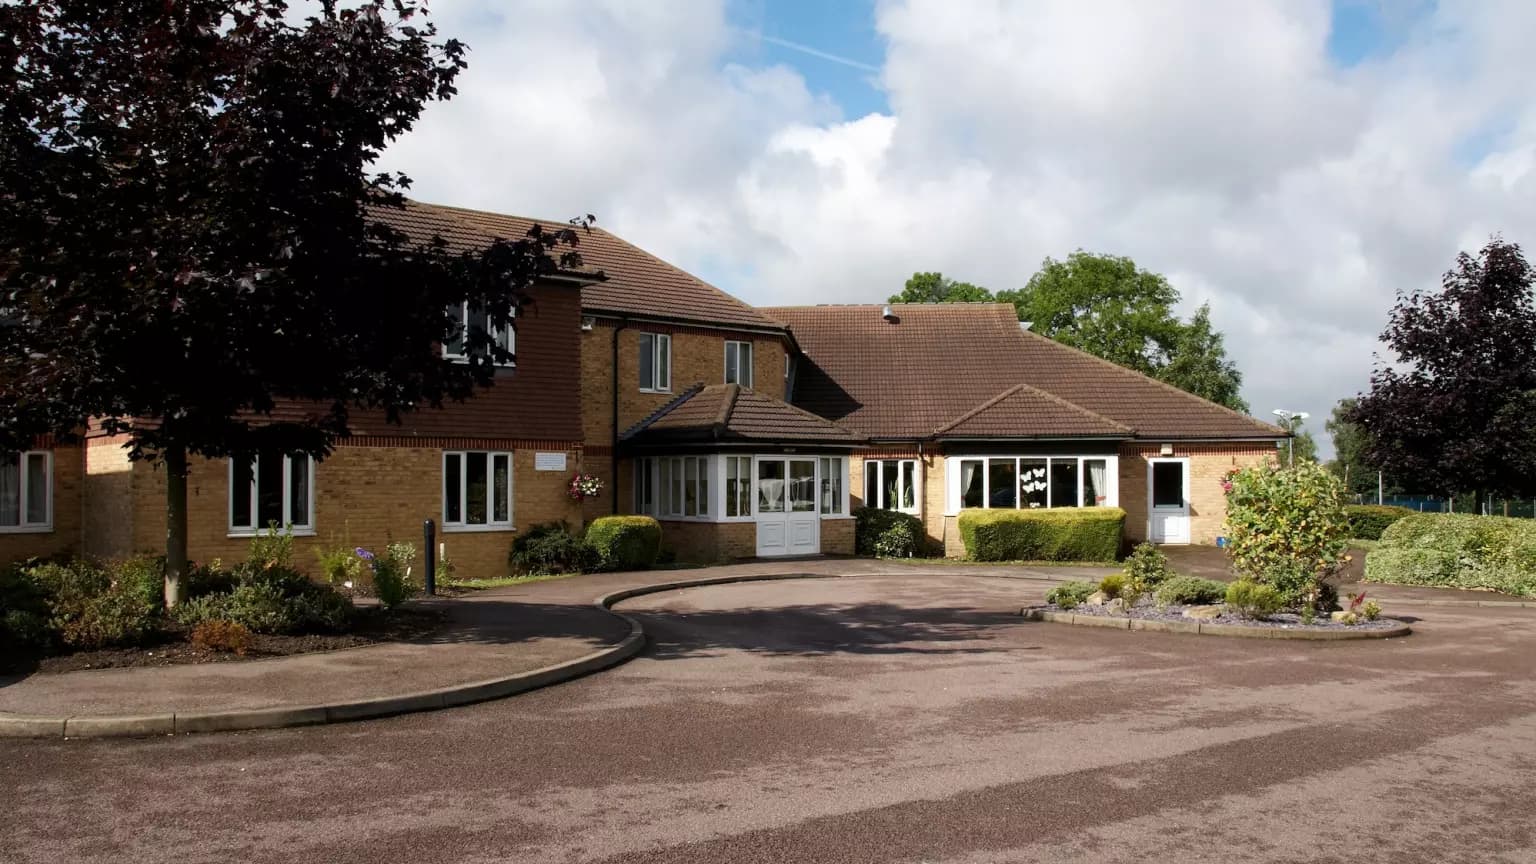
{"x":831,"y":486}
{"x":738,"y":486}
{"x":1028,"y":482}
{"x":673,"y":487}
{"x":26,"y":491}
{"x":271,"y":489}
{"x":477,"y":490}
{"x":891,"y":484}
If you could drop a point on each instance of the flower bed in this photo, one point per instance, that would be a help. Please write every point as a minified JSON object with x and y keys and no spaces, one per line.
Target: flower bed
{"x":1280,"y":620}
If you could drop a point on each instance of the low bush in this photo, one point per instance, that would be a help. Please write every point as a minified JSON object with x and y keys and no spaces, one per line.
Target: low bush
{"x":204,"y":579}
{"x":1285,"y":522}
{"x":24,"y":626}
{"x":1147,"y":566}
{"x":897,"y":541}
{"x":391,"y":573}
{"x":221,"y":635}
{"x":272,"y":548}
{"x":625,"y":542}
{"x":1112,"y":585}
{"x":340,"y":564}
{"x":272,"y":600}
{"x":871,"y":523}
{"x":1069,"y":595}
{"x":1191,"y":591}
{"x":1367,"y":521}
{"x":1457,"y":550}
{"x":94,"y":606}
{"x":550,"y":548}
{"x":1066,"y":534}
{"x":1252,"y":599}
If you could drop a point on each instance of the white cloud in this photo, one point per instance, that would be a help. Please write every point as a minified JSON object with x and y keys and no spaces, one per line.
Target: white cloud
{"x":1216,"y":143}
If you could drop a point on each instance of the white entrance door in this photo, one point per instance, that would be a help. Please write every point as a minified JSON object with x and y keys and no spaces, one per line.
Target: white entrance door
{"x":784,"y":501}
{"x":1168,"y":500}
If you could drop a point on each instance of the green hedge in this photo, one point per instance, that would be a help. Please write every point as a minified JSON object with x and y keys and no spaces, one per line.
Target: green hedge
{"x":1066,"y":534}
{"x":870,"y":523}
{"x":1367,"y":521}
{"x":1457,"y":550}
{"x":625,"y":542}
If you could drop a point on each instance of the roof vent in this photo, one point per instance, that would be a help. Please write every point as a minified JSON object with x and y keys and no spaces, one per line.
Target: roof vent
{"x":888,"y":315}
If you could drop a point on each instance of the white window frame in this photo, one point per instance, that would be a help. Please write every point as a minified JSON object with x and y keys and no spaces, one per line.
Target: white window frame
{"x":505,"y":335}
{"x":954,"y":473}
{"x":23,"y":501}
{"x":661,"y":373}
{"x":304,"y":528}
{"x":743,"y":370}
{"x":746,"y":468}
{"x":463,"y":525}
{"x":879,"y":469}
{"x":706,"y":487}
{"x":825,"y":466}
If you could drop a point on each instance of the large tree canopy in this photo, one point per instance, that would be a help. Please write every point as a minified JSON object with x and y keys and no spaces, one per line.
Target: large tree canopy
{"x":1349,"y":462}
{"x":1453,"y":412}
{"x":935,"y":288}
{"x":189,"y":229}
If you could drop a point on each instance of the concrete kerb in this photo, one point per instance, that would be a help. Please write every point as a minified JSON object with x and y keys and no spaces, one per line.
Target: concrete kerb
{"x":1206,"y":628}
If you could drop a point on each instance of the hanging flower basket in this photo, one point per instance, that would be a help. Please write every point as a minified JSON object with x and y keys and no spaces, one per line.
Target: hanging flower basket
{"x":584,"y":486}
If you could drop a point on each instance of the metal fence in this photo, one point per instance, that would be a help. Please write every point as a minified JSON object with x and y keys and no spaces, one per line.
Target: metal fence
{"x":1524,"y":508}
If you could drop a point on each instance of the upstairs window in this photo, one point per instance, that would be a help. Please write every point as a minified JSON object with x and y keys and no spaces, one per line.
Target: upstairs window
{"x":26,"y":491}
{"x":738,"y":363}
{"x":271,"y":489}
{"x":655,"y":363}
{"x":467,"y":320}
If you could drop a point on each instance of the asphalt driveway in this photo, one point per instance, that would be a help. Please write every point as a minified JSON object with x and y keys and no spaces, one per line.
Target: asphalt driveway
{"x":906,"y":718}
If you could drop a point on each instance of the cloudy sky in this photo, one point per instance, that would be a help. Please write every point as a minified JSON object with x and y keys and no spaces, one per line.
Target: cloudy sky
{"x":1292,"y":162}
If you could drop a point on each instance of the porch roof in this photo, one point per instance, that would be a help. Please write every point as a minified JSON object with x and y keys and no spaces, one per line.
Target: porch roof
{"x":730,"y":413}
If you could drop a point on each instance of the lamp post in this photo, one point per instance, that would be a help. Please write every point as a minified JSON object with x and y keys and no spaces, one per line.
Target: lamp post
{"x":1290,"y":419}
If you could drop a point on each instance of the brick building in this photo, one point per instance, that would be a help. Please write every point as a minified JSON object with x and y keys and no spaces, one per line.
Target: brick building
{"x":745,"y":431}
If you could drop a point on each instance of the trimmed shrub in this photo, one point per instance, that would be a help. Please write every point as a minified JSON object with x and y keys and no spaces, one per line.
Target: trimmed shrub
{"x":1191,"y":591}
{"x":1147,"y":566}
{"x":1254,"y":599}
{"x":220,"y":635}
{"x":1066,"y":534}
{"x":1286,"y":523}
{"x":92,"y":607}
{"x":550,"y":548}
{"x":1457,"y":550}
{"x":23,"y":614}
{"x":625,"y":542}
{"x":871,"y":523}
{"x":1367,"y":521}
{"x":897,"y":541}
{"x":273,"y":600}
{"x":1112,"y":585}
{"x":1069,"y":595}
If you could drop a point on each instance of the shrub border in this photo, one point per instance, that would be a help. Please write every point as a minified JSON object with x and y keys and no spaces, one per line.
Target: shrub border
{"x":1204,"y":628}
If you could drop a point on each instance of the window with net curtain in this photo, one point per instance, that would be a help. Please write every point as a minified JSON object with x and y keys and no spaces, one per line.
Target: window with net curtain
{"x":1008,"y":482}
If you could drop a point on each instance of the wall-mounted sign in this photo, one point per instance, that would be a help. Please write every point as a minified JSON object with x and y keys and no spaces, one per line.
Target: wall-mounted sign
{"x":549,"y":461}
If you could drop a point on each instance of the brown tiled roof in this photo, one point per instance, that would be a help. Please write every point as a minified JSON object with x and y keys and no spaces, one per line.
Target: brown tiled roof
{"x":637,"y":282}
{"x":938,"y":362}
{"x":1022,"y":411}
{"x":729,"y":412}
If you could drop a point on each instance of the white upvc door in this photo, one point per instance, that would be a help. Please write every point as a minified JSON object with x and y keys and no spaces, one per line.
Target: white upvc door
{"x":1168,"y":500}
{"x":784,"y":504}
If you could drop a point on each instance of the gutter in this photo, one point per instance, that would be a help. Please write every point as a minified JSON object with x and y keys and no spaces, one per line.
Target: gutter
{"x":613,"y":453}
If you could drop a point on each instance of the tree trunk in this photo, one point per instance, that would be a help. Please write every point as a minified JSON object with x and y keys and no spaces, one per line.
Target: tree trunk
{"x":175,"y":523}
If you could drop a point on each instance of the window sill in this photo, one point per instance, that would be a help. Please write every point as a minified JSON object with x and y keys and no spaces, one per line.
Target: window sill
{"x":295,"y":532}
{"x":666,"y":392}
{"x":478,"y":529}
{"x":26,"y":529}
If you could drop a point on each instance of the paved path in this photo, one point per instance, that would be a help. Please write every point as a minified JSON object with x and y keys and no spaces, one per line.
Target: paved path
{"x":491,"y":633}
{"x":905,"y":718}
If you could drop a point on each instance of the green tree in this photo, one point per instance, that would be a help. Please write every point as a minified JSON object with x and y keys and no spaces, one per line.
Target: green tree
{"x":936,"y":288}
{"x":1105,"y":305}
{"x":1349,"y":445}
{"x":1198,"y":364}
{"x":1302,"y":446}
{"x":191,"y":233}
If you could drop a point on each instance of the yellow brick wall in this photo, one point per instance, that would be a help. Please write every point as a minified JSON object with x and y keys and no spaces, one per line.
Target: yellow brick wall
{"x":364,"y":496}
{"x":698,"y":356}
{"x":1208,"y":463}
{"x":837,"y":536}
{"x":108,"y":511}
{"x":709,"y":542}
{"x":68,"y":485}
